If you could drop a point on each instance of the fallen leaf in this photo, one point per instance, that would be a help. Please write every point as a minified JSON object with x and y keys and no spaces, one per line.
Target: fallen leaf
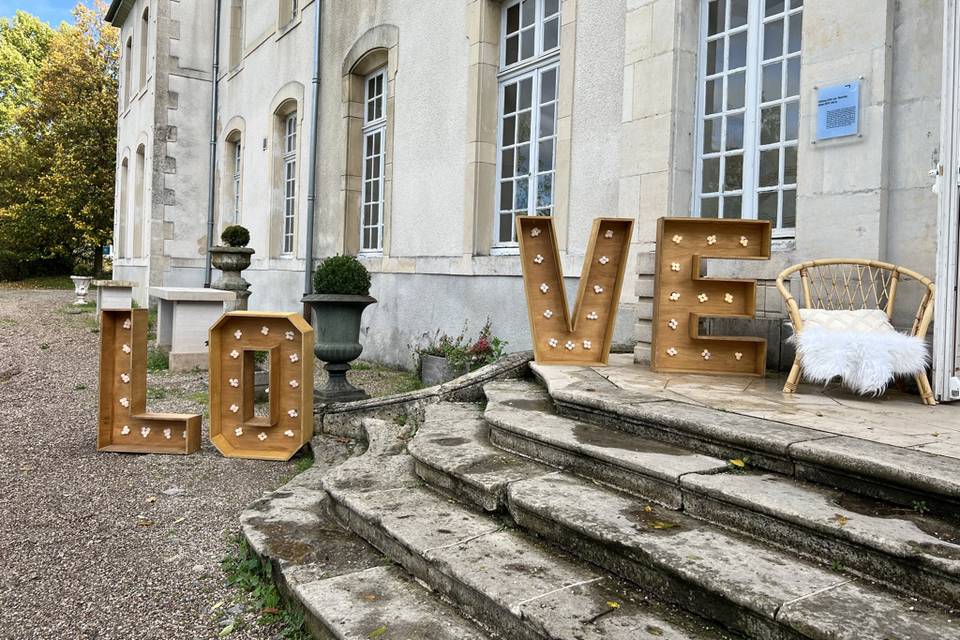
{"x":217,"y":606}
{"x":841,"y":519}
{"x":613,"y":605}
{"x":376,"y":633}
{"x":738,"y":463}
{"x":269,"y":610}
{"x":369,"y":597}
{"x":227,"y":630}
{"x":935,"y":435}
{"x":660,"y":524}
{"x":151,"y":499}
{"x":179,"y":520}
{"x":648,"y":509}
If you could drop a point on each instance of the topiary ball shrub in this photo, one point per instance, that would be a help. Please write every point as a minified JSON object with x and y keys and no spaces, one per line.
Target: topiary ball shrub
{"x":341,"y":275}
{"x":235,"y":236}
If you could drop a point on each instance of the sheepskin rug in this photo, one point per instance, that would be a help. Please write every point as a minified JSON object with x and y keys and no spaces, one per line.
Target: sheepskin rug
{"x":861,"y":347}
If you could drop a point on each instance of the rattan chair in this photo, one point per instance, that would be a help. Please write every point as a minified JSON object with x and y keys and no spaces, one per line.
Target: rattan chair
{"x":854,"y":284}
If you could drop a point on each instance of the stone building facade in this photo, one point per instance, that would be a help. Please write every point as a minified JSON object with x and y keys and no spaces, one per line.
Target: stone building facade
{"x":438,"y":122}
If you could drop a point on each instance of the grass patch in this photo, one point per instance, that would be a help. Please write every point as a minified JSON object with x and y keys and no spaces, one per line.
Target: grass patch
{"x":157,"y":359}
{"x":252,"y":576}
{"x":41,"y":282}
{"x":157,"y":393}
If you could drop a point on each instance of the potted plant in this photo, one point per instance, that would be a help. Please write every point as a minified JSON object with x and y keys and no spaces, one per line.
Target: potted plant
{"x":444,"y":358}
{"x":341,"y":292}
{"x":231,"y":259}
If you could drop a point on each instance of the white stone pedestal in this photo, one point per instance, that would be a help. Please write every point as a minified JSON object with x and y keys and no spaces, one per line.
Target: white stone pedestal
{"x":184,"y":317}
{"x":114,"y":294}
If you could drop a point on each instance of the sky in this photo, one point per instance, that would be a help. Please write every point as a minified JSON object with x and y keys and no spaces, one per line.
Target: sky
{"x":53,"y":11}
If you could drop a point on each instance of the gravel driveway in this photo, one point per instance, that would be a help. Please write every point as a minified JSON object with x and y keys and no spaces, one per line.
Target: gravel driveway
{"x":109,"y":545}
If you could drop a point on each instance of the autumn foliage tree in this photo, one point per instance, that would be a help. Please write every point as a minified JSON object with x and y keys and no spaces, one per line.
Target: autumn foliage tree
{"x":57,"y":153}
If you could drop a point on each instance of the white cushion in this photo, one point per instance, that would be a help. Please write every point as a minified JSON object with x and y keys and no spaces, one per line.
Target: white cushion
{"x":859,"y":320}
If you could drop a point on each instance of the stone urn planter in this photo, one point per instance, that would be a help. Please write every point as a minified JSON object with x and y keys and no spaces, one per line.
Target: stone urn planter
{"x":231,"y":261}
{"x":81,"y":285}
{"x":436,"y":370}
{"x":336,"y":323}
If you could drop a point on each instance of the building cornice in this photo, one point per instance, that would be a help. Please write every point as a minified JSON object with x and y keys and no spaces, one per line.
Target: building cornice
{"x":118,"y":11}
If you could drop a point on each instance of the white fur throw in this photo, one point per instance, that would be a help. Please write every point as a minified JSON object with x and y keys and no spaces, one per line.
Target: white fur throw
{"x":837,"y":343}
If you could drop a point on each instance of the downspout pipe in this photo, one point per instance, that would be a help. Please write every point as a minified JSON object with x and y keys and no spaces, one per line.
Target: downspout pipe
{"x":314,"y":139}
{"x":214,"y":107}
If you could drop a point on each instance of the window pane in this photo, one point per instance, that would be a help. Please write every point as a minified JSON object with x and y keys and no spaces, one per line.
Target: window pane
{"x":521,"y":201}
{"x":732,"y":207}
{"x":506,"y":195}
{"x":793,"y":77}
{"x":509,"y":131}
{"x":772,"y":82}
{"x":551,"y":7}
{"x":546,"y":121}
{"x":523,"y":127}
{"x":711,"y":135}
{"x":738,"y":50}
{"x":714,"y":94}
{"x":548,"y":86}
{"x":792,"y":124}
{"x":709,"y":208}
{"x":789,"y":209}
{"x":738,"y":13}
{"x":767,"y":204}
{"x":735,"y":132}
{"x":526,"y":44}
{"x":513,"y":50}
{"x":545,"y":190}
{"x":773,"y":39}
{"x":770,"y":125}
{"x":506,"y":228}
{"x":796,"y":29}
{"x":545,"y":157}
{"x":529,"y":11}
{"x":551,"y":34}
{"x":773,"y":7}
{"x":736,"y":90}
{"x":513,"y":18}
{"x":715,"y":57}
{"x":716,"y":16}
{"x":523,"y":160}
{"x":733,"y":173}
{"x":509,"y":98}
{"x":711,"y":175}
{"x":790,"y":165}
{"x":526,"y":93}
{"x":770,"y":168}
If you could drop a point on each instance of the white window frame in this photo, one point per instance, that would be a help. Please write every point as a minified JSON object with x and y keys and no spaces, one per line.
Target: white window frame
{"x":752,"y":148}
{"x":541,"y":62}
{"x":372,"y":129}
{"x":289,"y":182}
{"x":237,"y":177}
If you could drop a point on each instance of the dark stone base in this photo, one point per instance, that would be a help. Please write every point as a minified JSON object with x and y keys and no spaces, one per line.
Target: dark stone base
{"x":338,"y":388}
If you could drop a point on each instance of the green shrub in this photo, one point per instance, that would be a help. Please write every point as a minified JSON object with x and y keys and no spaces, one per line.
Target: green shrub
{"x":342,"y":275}
{"x":462,"y":351}
{"x":235,"y":236}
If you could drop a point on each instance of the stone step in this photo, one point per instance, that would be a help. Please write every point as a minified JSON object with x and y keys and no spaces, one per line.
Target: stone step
{"x":383,"y":603}
{"x":522,"y":420}
{"x":908,"y":551}
{"x":764,"y":593}
{"x":903,"y":548}
{"x":885,"y":472}
{"x":519,"y":588}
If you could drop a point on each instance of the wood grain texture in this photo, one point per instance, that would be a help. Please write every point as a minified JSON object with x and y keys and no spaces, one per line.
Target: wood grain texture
{"x":124,"y":423}
{"x":585,"y":337}
{"x":288,"y":342}
{"x":683,"y":297}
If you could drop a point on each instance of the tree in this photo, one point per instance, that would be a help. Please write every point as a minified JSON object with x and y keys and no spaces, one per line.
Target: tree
{"x":57,"y":159}
{"x":24,"y":43}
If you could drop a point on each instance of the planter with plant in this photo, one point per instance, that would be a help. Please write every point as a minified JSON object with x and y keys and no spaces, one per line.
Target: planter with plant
{"x":341,"y":292}
{"x":231,"y":258}
{"x":444,"y":357}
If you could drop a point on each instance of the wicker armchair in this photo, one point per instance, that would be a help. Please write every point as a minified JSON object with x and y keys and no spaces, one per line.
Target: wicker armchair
{"x":854,"y":284}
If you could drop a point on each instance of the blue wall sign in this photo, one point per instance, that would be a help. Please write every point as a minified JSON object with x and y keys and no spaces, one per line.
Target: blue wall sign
{"x":838,"y":110}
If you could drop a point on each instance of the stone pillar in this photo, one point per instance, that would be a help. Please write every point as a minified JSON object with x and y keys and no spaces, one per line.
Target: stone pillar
{"x":659,"y":98}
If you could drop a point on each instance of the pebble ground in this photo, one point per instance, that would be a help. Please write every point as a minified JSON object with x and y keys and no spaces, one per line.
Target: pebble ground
{"x":99,"y":545}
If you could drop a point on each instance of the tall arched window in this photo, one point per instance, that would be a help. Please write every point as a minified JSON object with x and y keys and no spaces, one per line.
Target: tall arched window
{"x":144,"y":46}
{"x":138,"y":202}
{"x":287,"y":130}
{"x":234,"y":165}
{"x":120,"y":241}
{"x":527,"y":144}
{"x":374,"y":155}
{"x":127,"y":71}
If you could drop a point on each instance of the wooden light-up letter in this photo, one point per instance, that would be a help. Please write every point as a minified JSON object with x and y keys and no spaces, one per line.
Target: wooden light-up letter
{"x":584,"y":338}
{"x":125,"y":426}
{"x":682,"y":296}
{"x":287,"y":340}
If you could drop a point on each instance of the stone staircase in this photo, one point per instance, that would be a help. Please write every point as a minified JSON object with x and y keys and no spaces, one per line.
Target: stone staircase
{"x":523,"y":523}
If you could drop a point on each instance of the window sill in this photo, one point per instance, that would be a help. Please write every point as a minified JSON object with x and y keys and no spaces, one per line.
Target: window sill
{"x":508,"y":250}
{"x":284,"y":29}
